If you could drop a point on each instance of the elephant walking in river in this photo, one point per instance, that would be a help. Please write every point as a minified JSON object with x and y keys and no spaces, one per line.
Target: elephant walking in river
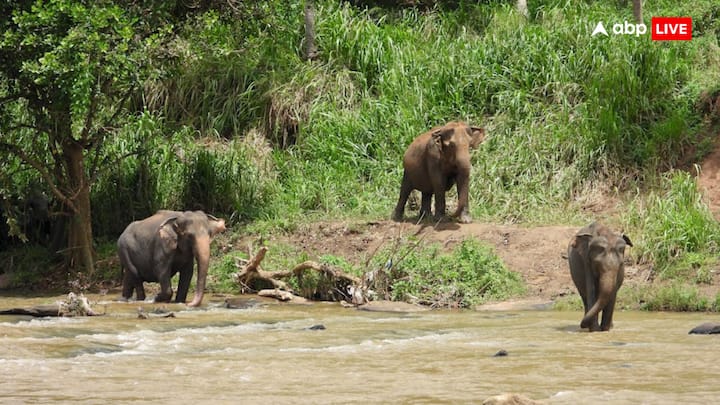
{"x":169,"y":242}
{"x":596,"y":255}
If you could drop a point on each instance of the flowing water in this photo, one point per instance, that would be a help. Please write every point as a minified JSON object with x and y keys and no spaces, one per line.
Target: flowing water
{"x":269,"y":354}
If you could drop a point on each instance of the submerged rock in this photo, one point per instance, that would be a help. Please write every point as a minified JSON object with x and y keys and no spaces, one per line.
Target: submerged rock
{"x":709,"y":328}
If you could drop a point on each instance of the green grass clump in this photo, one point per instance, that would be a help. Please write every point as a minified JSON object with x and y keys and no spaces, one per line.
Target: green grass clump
{"x":220,"y":275}
{"x":675,"y":229}
{"x":677,"y":297}
{"x":470,"y":275}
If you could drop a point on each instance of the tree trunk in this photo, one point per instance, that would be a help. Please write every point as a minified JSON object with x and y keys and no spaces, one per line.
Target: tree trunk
{"x":637,"y":11}
{"x":311,"y":51}
{"x":522,"y":7}
{"x":80,"y":247}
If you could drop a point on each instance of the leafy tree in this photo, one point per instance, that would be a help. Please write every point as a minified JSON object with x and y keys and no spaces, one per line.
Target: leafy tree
{"x":67,"y":69}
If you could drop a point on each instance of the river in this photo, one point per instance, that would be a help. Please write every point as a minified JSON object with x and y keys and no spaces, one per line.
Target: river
{"x":268,"y":354}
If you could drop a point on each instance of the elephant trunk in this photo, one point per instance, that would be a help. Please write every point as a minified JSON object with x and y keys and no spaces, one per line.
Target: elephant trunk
{"x":201,"y":250}
{"x":605,"y":291}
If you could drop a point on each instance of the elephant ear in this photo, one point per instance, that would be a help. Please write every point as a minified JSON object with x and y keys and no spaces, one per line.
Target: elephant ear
{"x":216,"y":225}
{"x":477,"y":136}
{"x":442,"y":136}
{"x":581,"y":240}
{"x":168,"y":232}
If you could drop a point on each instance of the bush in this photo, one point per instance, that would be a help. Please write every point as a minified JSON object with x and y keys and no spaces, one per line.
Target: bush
{"x":674,"y":227}
{"x":468,"y":276}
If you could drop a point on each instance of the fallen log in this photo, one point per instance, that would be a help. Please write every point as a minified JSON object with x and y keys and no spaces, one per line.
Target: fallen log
{"x":281,"y":295}
{"x":74,"y":305}
{"x":38,"y":311}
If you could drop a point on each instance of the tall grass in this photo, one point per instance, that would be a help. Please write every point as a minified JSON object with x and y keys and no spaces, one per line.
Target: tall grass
{"x":675,"y":229}
{"x":235,"y":179}
{"x":563,"y":109}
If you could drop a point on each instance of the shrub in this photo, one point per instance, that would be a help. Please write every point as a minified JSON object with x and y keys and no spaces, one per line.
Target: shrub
{"x":674,"y":226}
{"x":468,"y":276}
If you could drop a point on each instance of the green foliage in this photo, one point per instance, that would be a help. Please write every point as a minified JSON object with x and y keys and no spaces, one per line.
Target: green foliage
{"x":677,"y":297}
{"x":564,"y":111}
{"x":28,"y":267}
{"x":222,"y":269}
{"x":342,"y":264}
{"x":470,"y":275}
{"x":675,"y":228}
{"x":235,"y":178}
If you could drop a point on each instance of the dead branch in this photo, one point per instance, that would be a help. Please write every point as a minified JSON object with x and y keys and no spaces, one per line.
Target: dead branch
{"x":251,"y":275}
{"x":325,"y":270}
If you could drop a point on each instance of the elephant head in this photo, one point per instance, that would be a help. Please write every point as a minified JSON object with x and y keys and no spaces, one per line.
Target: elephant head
{"x":457,"y":136}
{"x":596,"y":255}
{"x":190,"y":233}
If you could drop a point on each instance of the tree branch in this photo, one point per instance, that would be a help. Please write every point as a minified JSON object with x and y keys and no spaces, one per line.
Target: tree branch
{"x":17,"y":151}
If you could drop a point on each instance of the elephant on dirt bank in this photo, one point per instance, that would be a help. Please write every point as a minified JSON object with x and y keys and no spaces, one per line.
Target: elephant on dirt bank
{"x":169,"y":242}
{"x":435,"y":161}
{"x":596,"y":256}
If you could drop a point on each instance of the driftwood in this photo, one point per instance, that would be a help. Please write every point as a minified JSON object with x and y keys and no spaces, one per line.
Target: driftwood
{"x":252,"y":278}
{"x":74,"y":305}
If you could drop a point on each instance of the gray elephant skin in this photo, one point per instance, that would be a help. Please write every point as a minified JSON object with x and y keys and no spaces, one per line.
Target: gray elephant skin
{"x":435,"y":161}
{"x":156,"y":248}
{"x":596,"y":255}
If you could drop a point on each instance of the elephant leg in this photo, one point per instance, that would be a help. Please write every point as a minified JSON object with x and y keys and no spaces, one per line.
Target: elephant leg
{"x":128,"y":284}
{"x":438,"y":184}
{"x":139,"y":289}
{"x":607,"y":314}
{"x":463,"y":185}
{"x":425,"y":205}
{"x":166,"y":292}
{"x":591,"y":291}
{"x":186,"y":273}
{"x":405,"y":189}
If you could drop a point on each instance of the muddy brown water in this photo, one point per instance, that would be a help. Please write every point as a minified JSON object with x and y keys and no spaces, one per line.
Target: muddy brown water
{"x":268,"y":354}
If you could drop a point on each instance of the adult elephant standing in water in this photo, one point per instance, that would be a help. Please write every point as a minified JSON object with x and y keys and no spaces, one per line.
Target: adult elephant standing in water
{"x":435,"y":161}
{"x":169,"y":242}
{"x":596,"y":255}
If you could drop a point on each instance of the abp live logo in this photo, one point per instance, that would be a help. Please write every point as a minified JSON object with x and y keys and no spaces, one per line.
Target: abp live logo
{"x":671,"y":28}
{"x":662,"y":29}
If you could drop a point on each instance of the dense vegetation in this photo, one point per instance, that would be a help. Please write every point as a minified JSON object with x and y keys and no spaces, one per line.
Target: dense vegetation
{"x":227,"y":116}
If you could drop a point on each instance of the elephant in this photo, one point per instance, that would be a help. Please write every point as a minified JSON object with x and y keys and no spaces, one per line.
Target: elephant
{"x":157,"y":247}
{"x":596,"y":255}
{"x":435,"y":161}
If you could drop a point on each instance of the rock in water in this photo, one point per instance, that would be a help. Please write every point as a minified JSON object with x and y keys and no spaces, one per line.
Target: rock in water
{"x":709,"y":328}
